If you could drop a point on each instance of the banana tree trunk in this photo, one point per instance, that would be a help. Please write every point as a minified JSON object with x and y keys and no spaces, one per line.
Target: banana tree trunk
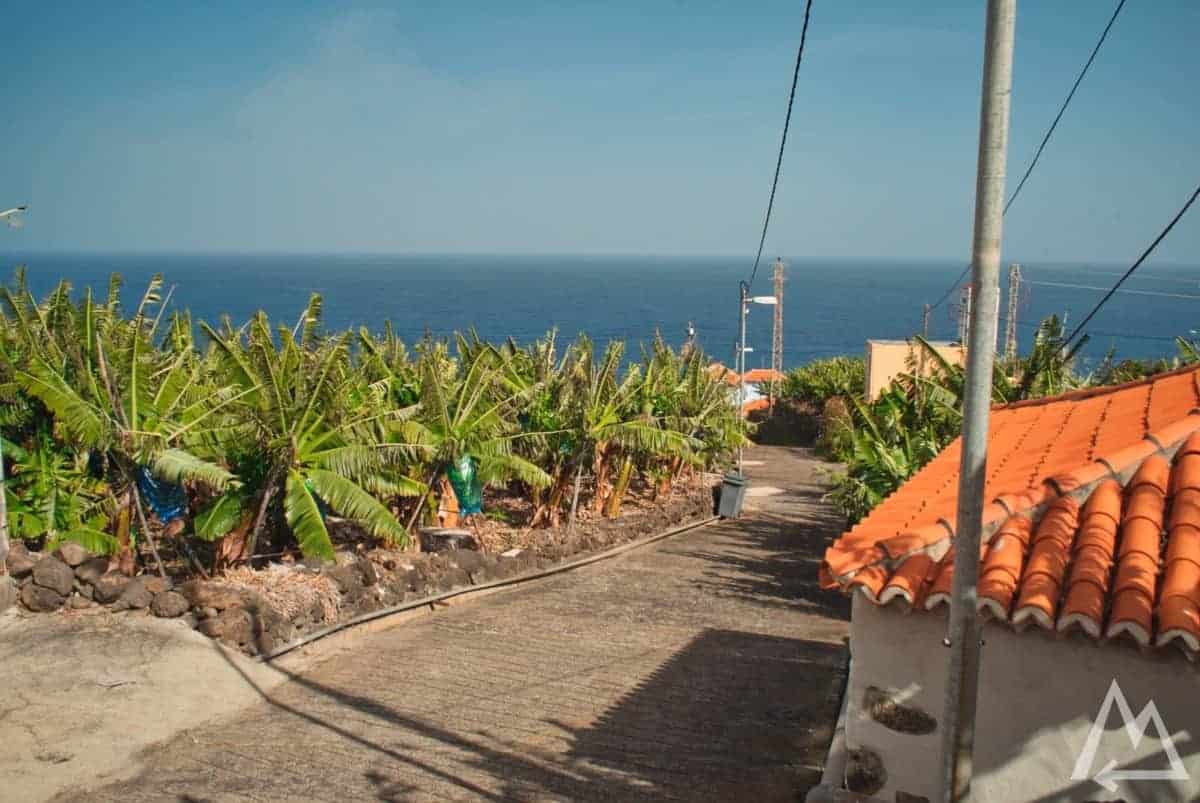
{"x":231,"y":549}
{"x":663,"y":486}
{"x":548,"y":509}
{"x":260,"y":517}
{"x":539,"y":508}
{"x":613,"y":508}
{"x":125,"y":560}
{"x":557,"y":491}
{"x":422,"y":501}
{"x":141,"y":514}
{"x":448,"y":513}
{"x":600,"y":472}
{"x":575,"y":496}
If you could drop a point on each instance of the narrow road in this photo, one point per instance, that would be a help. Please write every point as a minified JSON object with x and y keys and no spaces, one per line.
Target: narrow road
{"x":706,"y":667}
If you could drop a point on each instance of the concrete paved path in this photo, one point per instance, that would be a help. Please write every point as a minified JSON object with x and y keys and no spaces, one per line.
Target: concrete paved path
{"x":706,"y":667}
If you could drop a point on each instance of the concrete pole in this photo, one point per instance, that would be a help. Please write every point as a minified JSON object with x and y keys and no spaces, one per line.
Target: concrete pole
{"x":743,"y":300}
{"x":777,"y":332}
{"x":925,"y":335}
{"x":963,"y":681}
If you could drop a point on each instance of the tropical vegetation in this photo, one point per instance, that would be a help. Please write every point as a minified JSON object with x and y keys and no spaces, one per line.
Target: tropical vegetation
{"x":126,"y":429}
{"x":885,"y":441}
{"x":820,"y":380}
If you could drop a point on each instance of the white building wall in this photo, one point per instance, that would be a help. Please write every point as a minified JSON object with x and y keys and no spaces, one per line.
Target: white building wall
{"x":1038,"y":698}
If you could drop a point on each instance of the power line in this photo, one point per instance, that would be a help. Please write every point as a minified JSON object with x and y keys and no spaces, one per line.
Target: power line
{"x":1155,"y":277}
{"x":1065,"y":104}
{"x":951,"y":288}
{"x":787,"y":120}
{"x":1160,"y":338}
{"x":1157,"y":293}
{"x":1122,"y":335}
{"x":1149,"y":250}
{"x":1045,"y":139}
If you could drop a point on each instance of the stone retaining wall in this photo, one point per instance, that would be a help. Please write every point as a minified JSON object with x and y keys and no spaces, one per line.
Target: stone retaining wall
{"x":261,"y":611}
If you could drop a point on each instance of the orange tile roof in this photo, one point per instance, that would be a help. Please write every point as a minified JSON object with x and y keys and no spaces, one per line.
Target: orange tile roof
{"x":762,"y":375}
{"x":719,"y":371}
{"x":757,"y":404}
{"x":1082,"y":486}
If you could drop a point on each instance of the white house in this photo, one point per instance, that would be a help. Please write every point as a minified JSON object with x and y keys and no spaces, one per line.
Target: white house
{"x":1090,"y":592}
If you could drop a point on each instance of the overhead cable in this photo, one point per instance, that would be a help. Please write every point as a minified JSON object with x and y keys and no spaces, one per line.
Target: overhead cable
{"x":787,"y":120}
{"x":1145,"y":254}
{"x":1045,"y":139}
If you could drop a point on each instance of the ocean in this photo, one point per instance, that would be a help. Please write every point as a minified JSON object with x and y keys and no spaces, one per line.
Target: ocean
{"x":831,"y":306}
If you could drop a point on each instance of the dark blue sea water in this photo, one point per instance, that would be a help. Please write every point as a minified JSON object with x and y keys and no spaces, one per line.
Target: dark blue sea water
{"x":830,"y":306}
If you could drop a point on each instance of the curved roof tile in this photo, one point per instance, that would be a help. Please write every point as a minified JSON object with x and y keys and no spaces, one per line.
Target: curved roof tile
{"x":1082,"y":485}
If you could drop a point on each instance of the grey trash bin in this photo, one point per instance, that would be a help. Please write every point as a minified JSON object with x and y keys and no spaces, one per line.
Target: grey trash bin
{"x":733,"y":491}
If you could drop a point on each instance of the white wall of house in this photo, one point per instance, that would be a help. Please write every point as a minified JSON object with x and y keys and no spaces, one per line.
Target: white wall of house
{"x":1038,"y":698}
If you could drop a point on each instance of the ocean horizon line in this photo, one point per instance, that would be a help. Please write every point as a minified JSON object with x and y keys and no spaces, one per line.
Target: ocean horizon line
{"x":19,"y":253}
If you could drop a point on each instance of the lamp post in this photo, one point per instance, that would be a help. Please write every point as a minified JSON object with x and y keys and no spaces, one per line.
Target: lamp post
{"x":744,"y":302}
{"x":13,"y":216}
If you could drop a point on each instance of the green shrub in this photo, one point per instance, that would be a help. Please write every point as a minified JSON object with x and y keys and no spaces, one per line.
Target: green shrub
{"x":836,"y":438}
{"x":821,"y":380}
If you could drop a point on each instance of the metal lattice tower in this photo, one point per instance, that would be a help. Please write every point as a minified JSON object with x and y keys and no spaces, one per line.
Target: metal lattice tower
{"x":1010,"y":323}
{"x":964,"y":314}
{"x":777,"y":334}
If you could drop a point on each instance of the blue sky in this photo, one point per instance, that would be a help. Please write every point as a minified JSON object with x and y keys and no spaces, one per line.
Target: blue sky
{"x":617,"y":127}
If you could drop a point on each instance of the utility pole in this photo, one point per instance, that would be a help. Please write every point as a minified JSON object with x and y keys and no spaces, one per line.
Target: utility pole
{"x":924,"y":335}
{"x":743,"y":301}
{"x":1010,"y":325}
{"x":964,"y":314}
{"x":962,"y":685}
{"x":777,"y":334}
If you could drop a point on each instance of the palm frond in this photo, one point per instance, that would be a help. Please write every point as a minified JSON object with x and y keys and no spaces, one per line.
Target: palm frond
{"x":500,"y":467}
{"x":353,"y":502}
{"x":220,"y":516}
{"x":83,"y":421}
{"x":304,"y":517}
{"x":95,"y":541}
{"x":178,"y":466}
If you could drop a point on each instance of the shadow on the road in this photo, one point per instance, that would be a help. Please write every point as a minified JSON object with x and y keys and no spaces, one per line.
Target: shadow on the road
{"x":731,"y":716}
{"x":772,"y":559}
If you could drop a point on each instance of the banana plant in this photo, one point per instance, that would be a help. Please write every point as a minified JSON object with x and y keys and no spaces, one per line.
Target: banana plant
{"x":471,"y":415}
{"x":113,"y":393}
{"x":295,"y":403}
{"x":50,"y":493}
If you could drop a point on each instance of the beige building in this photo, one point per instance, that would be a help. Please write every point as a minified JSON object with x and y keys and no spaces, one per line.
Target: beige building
{"x":887,"y":359}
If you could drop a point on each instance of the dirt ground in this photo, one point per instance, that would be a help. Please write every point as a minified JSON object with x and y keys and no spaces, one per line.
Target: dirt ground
{"x":85,"y":693}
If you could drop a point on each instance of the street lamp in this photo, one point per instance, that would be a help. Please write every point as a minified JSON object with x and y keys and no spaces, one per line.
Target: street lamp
{"x":744,"y":302}
{"x":13,"y":216}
